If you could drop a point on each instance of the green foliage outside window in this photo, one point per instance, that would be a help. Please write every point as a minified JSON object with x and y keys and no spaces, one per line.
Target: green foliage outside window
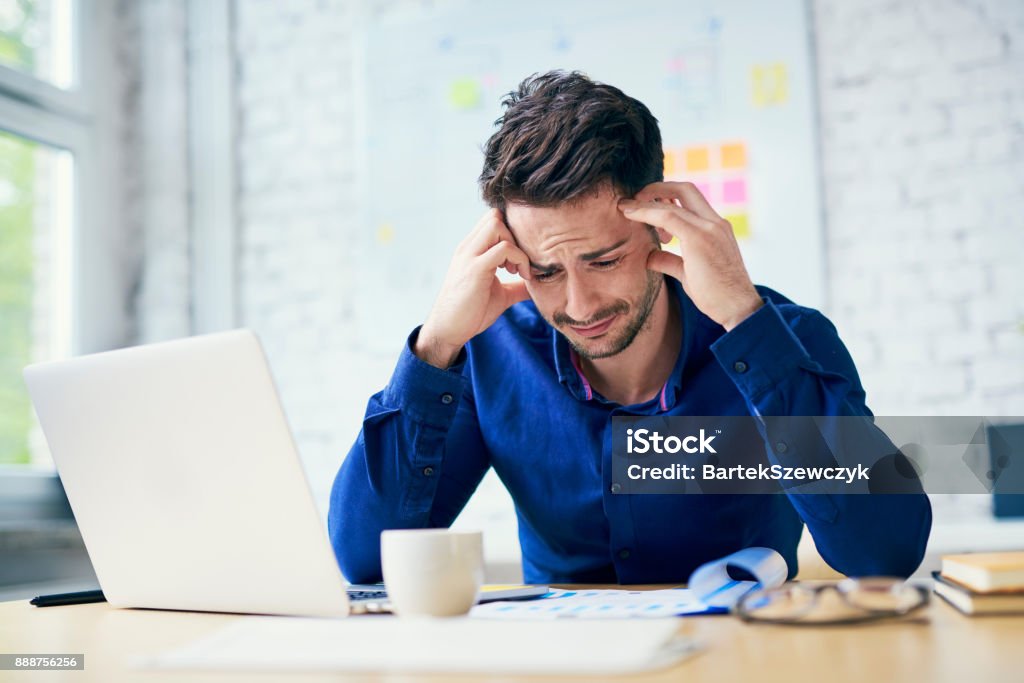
{"x":17,"y":202}
{"x":17,"y":177}
{"x":17,"y":22}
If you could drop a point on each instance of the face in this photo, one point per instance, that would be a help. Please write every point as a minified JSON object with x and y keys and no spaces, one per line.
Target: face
{"x":589,"y":271}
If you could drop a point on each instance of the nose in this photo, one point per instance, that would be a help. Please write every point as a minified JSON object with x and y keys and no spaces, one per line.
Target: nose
{"x":581,"y":298}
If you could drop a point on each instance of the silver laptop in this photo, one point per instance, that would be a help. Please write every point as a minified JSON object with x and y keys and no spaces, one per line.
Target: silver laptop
{"x":185,"y":481}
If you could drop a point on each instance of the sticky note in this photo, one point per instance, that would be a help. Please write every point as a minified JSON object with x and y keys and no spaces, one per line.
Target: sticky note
{"x":769,"y":84}
{"x":385,"y":234}
{"x":465,"y":93}
{"x":670,"y":163}
{"x":740,"y":224}
{"x":734,"y":191}
{"x":734,"y":155}
{"x":697,"y":159}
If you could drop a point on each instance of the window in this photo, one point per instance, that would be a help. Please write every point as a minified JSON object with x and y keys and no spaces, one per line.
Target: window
{"x":36,"y":38}
{"x":36,"y":213}
{"x":44,"y":132}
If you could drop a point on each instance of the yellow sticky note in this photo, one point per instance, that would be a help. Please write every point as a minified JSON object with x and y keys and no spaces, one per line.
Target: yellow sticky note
{"x":734,"y":155}
{"x":740,"y":224}
{"x":697,"y":159}
{"x":769,"y":84}
{"x":465,"y":93}
{"x":385,"y":234}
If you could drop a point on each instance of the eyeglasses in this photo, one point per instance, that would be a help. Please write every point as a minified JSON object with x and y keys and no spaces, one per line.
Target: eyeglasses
{"x":851,"y":601}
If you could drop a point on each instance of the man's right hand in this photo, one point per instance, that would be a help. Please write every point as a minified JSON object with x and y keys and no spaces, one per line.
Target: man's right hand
{"x":472,"y":297}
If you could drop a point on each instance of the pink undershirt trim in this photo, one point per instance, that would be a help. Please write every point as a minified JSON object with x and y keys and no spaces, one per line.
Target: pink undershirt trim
{"x":590,"y":392}
{"x":576,"y":364}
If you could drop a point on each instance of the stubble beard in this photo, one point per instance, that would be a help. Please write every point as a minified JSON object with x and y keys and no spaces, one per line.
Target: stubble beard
{"x":636,"y":325}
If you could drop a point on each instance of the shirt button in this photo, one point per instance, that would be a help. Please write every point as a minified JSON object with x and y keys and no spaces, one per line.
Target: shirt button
{"x":624,"y":554}
{"x":781,"y":447}
{"x":739,"y":366}
{"x":447,"y":398}
{"x":616,"y":488}
{"x":428,"y":471}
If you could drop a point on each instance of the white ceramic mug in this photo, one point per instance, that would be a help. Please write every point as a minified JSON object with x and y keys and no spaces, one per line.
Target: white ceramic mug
{"x":432,"y":572}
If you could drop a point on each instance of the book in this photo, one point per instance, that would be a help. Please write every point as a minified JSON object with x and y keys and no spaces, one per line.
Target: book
{"x":984,"y":572}
{"x":973,"y":602}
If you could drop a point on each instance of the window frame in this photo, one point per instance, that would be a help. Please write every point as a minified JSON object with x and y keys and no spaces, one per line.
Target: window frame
{"x":69,"y":120}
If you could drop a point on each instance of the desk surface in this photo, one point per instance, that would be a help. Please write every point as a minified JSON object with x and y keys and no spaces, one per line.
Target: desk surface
{"x":947,"y":646}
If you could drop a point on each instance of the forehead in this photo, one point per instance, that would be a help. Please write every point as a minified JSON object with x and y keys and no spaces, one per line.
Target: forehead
{"x":593,"y":222}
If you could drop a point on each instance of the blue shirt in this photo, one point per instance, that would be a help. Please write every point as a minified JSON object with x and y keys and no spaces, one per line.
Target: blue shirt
{"x":516,"y":401}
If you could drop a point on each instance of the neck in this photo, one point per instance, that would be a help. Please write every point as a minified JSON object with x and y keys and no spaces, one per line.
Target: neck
{"x":638,"y":373}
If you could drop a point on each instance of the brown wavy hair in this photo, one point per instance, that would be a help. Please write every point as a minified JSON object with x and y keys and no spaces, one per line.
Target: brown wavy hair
{"x":562,"y":136}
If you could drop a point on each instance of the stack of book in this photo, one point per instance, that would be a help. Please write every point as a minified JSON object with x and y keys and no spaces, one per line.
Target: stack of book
{"x":983,"y":583}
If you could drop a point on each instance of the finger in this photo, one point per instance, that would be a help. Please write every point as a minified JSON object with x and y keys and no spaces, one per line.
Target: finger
{"x":669,"y":206}
{"x":668,"y":263}
{"x":505,"y":251}
{"x":686,"y":193}
{"x":518,"y":263}
{"x":510,"y":267}
{"x":490,"y":231}
{"x":483,"y":234}
{"x":677,"y":221}
{"x":515,"y":292}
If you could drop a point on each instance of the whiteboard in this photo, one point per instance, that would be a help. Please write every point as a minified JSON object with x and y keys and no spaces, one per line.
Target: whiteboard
{"x":729,"y":81}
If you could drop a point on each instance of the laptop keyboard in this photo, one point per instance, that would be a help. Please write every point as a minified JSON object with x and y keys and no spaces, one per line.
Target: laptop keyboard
{"x":367,"y":595}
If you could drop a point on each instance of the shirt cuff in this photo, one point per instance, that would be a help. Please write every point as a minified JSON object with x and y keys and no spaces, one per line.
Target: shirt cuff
{"x":425,"y":393}
{"x":760,"y":352}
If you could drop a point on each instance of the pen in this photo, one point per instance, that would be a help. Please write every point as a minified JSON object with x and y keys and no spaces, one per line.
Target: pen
{"x":68,"y":598}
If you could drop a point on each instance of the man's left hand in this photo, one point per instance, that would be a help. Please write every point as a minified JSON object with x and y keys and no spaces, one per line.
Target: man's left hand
{"x":711,"y":268}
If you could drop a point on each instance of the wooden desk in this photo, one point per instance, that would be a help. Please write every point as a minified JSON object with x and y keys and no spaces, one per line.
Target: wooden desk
{"x":948,"y":647}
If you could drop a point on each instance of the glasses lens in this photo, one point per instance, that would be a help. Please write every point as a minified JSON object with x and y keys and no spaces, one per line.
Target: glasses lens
{"x":786,"y":602}
{"x":881,"y":595}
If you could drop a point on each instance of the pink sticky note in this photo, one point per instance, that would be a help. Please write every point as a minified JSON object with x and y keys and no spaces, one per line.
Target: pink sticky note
{"x":734,"y":191}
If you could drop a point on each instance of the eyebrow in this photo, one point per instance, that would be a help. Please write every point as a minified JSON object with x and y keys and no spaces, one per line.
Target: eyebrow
{"x":589,"y":256}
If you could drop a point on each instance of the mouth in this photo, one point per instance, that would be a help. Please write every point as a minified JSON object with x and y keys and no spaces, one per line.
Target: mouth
{"x":594,"y":330}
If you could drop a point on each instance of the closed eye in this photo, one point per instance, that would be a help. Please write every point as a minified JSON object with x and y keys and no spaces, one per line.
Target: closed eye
{"x":548,"y":275}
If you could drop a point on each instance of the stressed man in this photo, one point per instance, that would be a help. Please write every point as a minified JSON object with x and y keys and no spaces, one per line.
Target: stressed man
{"x":526,"y":376}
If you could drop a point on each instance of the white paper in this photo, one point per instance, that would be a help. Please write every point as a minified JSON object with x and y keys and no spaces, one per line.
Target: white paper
{"x":712,"y":584}
{"x":596,"y":604}
{"x":386,"y":643}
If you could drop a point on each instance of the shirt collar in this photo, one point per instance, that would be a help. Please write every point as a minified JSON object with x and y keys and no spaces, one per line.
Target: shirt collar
{"x":570,"y":375}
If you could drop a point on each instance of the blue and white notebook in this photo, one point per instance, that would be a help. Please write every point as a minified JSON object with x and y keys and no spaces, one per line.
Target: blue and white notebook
{"x":711,"y":590}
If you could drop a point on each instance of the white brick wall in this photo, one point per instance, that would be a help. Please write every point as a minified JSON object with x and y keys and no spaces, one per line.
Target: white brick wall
{"x":152,"y":68}
{"x":922,"y":121}
{"x":295,"y":153}
{"x":922,"y":138}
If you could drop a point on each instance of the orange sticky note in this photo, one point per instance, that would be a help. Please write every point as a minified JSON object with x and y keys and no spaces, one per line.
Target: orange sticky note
{"x":740,"y":224}
{"x":670,"y":163}
{"x":734,"y":155}
{"x":697,"y":159}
